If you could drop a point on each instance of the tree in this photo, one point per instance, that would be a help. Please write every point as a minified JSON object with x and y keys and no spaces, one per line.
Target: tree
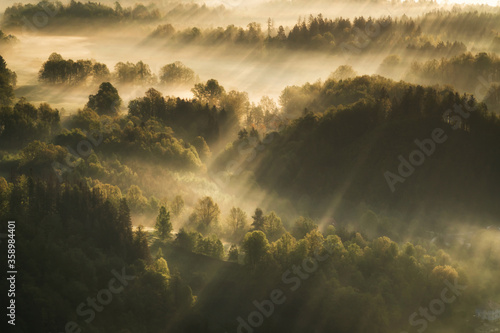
{"x":343,"y":72}
{"x":202,"y":148}
{"x":243,"y":134}
{"x":302,"y":227}
{"x":210,"y":246}
{"x":283,"y":249}
{"x":187,"y":240}
{"x":159,"y":254}
{"x":177,"y":206}
{"x":210,"y":93}
{"x":281,"y":36}
{"x":385,"y":248}
{"x":107,"y":101}
{"x":100,"y":72}
{"x":55,"y":57}
{"x":273,"y":226}
{"x":268,"y":105}
{"x":441,"y":273}
{"x":143,"y":72}
{"x":207,"y":214}
{"x":256,"y":247}
{"x":124,"y":219}
{"x":177,"y":73}
{"x":163,"y":225}
{"x":141,"y":244}
{"x":390,"y":64}
{"x":24,"y":123}
{"x":133,"y":73}
{"x":135,"y":199}
{"x":6,"y":86}
{"x":233,"y":253}
{"x":56,"y":70}
{"x":151,"y":105}
{"x":259,"y":221}
{"x":237,"y":221}
{"x":314,"y":240}
{"x":160,"y":266}
{"x":235,"y":103}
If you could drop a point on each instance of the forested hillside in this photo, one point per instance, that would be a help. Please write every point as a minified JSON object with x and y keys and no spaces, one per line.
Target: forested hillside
{"x":187,"y":167}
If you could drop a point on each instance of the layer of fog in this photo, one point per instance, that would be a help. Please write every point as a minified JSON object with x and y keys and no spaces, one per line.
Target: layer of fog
{"x":256,"y":72}
{"x":213,"y":13}
{"x":259,"y":73}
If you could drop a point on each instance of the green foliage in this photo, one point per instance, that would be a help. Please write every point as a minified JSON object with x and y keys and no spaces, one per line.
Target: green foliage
{"x":7,"y":83}
{"x":39,"y":157}
{"x":210,"y":246}
{"x":129,"y":136}
{"x":492,"y":98}
{"x":206,"y":215}
{"x":193,"y":241}
{"x":81,"y":238}
{"x":189,"y":119}
{"x":273,"y":226}
{"x":283,"y":249}
{"x":160,"y":266}
{"x":86,"y":119}
{"x":343,"y":35}
{"x":138,"y":73}
{"x":136,"y":200}
{"x":177,"y":205}
{"x":233,"y":254}
{"x":457,"y":71}
{"x":202,"y":148}
{"x":302,"y":227}
{"x":7,"y":40}
{"x":346,"y":132}
{"x":256,"y":247}
{"x":56,"y":70}
{"x":187,"y":240}
{"x":106,"y":101}
{"x":373,"y":120}
{"x":343,"y":72}
{"x":259,"y":222}
{"x":237,"y":223}
{"x":77,"y":12}
{"x":163,"y":225}
{"x":177,"y":74}
{"x":209,"y":93}
{"x":24,"y":122}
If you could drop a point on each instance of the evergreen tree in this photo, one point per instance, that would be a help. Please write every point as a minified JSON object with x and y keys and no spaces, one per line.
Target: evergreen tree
{"x":163,"y":225}
{"x":233,"y":253}
{"x":258,"y":220}
{"x":124,"y":219}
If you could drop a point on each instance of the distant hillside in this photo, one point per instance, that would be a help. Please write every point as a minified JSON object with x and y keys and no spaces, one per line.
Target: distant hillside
{"x":339,"y":156}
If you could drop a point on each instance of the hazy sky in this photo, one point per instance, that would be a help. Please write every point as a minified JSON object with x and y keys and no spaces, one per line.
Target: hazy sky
{"x":233,"y":2}
{"x":489,"y":2}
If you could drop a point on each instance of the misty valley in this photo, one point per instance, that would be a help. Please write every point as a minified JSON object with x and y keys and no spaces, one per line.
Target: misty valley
{"x":250,"y":166}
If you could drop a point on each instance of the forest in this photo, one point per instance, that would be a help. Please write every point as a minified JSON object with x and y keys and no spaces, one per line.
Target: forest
{"x":215,"y":167}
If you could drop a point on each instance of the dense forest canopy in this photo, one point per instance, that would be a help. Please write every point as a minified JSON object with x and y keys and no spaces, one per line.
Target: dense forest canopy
{"x":188,"y":167}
